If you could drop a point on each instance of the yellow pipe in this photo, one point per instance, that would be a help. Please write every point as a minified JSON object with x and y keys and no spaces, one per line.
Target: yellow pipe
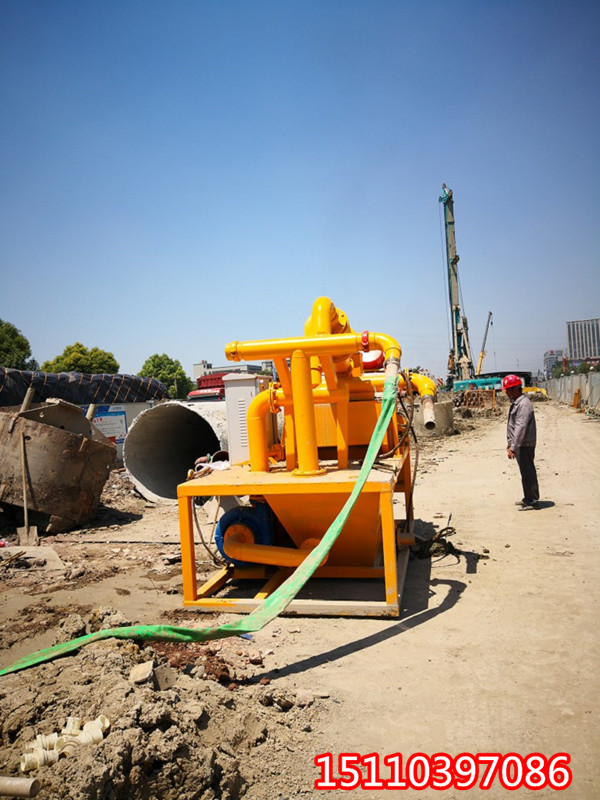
{"x":273,"y":400}
{"x":304,"y":416}
{"x":343,"y":344}
{"x":320,"y":394}
{"x":424,"y":385}
{"x":238,"y":544}
{"x":257,"y":431}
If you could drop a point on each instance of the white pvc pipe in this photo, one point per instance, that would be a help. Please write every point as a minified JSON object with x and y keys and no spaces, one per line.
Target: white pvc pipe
{"x":19,"y":787}
{"x":428,"y":412}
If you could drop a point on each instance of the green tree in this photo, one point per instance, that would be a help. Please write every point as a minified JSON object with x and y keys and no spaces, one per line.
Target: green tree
{"x":583,"y":368}
{"x":77,"y":358}
{"x":168,"y":371}
{"x":15,"y":350}
{"x":557,"y":371}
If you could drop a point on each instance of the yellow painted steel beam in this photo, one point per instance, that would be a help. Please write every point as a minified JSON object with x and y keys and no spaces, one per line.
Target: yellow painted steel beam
{"x":188,"y":552}
{"x":215,"y":582}
{"x":273,"y":583}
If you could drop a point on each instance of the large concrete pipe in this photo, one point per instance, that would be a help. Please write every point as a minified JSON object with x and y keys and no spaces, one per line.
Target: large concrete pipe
{"x":164,"y":442}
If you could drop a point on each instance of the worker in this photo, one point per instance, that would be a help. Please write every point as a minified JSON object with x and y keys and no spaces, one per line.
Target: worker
{"x":521,"y":439}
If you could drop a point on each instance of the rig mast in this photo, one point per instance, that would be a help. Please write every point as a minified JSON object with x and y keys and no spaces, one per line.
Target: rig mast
{"x":460,"y":363}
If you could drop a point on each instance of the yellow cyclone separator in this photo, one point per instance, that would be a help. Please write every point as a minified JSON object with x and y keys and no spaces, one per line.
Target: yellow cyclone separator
{"x":326,"y":319}
{"x":306,"y":356}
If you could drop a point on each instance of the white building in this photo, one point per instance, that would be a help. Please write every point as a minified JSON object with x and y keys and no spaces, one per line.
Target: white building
{"x":583,"y":339}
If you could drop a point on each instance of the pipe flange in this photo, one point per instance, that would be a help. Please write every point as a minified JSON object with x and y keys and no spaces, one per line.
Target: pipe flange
{"x":273,"y":405}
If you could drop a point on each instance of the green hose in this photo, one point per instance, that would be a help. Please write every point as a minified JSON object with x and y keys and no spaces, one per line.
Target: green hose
{"x":273,"y":605}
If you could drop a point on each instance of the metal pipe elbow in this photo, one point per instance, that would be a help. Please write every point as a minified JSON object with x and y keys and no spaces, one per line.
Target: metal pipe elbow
{"x":231,"y":352}
{"x":390,"y":347}
{"x":423,"y":385}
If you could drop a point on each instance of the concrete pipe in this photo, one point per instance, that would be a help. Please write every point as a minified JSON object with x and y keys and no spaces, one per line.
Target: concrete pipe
{"x":164,"y":442}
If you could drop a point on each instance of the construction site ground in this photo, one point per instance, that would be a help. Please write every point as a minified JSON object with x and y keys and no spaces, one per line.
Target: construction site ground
{"x":496,"y":649}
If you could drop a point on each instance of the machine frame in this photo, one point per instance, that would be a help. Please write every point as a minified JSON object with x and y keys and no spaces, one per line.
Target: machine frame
{"x":240,"y":481}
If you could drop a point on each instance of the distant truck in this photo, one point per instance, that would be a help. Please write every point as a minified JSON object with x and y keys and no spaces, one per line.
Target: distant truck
{"x":210,"y":387}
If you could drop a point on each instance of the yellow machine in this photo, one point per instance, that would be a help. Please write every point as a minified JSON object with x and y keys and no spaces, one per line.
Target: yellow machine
{"x":329,"y":391}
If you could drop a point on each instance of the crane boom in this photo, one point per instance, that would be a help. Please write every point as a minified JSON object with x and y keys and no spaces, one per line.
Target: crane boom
{"x":482,"y":353}
{"x":460,"y":363}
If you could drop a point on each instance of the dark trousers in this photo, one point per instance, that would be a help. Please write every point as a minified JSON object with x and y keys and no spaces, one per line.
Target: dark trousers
{"x":526,"y":460}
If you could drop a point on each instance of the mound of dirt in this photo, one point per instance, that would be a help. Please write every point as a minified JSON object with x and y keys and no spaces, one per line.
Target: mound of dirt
{"x":213,"y":734}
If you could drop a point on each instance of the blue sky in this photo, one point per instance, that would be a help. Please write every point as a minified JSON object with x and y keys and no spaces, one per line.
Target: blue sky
{"x":176,"y":175}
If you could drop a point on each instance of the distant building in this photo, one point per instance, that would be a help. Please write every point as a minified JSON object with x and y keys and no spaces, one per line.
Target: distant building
{"x":551,"y":359}
{"x":583,"y":339}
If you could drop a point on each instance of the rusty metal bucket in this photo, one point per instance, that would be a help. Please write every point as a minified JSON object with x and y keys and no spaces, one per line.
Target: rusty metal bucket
{"x":67,"y":463}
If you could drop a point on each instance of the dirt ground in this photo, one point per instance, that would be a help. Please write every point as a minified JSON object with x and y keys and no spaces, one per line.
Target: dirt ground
{"x":496,"y":649}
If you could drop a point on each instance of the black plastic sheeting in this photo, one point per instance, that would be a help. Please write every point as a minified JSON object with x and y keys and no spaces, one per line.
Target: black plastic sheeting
{"x":78,"y":387}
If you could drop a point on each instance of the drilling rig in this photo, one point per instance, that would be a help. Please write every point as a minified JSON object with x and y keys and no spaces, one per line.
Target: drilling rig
{"x":460,"y":363}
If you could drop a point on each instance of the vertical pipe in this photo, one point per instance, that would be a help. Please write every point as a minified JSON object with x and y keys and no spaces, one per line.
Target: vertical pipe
{"x":290,"y":439}
{"x":27,"y":399}
{"x":24,"y":478}
{"x":257,"y":431}
{"x":304,"y":416}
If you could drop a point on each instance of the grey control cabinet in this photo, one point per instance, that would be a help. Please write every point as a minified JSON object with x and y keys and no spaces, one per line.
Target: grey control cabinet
{"x":240,"y":389}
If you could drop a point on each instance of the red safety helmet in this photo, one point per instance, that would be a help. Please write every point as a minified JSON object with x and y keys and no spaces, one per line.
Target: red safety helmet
{"x":511,"y":380}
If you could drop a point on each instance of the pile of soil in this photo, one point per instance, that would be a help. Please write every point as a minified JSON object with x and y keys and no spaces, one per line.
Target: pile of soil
{"x":214,"y":733}
{"x":221,"y":730}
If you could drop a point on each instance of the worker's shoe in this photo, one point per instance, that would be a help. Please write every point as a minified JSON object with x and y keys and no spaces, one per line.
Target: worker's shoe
{"x":528,"y":506}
